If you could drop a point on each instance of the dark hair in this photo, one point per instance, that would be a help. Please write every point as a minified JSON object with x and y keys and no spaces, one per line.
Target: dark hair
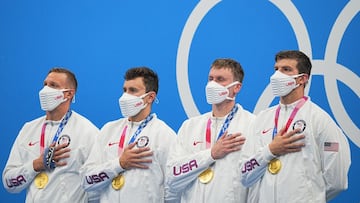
{"x":71,"y":79}
{"x":303,"y":61}
{"x":150,"y":78}
{"x":231,"y":64}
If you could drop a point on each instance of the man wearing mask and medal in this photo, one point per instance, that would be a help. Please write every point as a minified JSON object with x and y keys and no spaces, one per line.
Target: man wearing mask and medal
{"x":127,"y":163}
{"x":203,"y":166}
{"x":296,"y":152}
{"x":49,"y":151}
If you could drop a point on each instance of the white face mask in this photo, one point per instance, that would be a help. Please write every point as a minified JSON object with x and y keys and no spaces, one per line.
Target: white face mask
{"x":216,"y":93}
{"x":131,"y":105}
{"x":283,"y":84}
{"x":50,"y":98}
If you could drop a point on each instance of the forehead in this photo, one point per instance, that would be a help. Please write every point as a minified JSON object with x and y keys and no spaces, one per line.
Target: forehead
{"x":56,"y":78}
{"x":292,"y":63}
{"x":220,"y":72}
{"x":137,"y":83}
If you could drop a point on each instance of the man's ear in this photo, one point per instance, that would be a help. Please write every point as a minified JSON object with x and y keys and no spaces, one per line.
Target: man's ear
{"x":69,"y":94}
{"x":304,"y":79}
{"x":237,"y":88}
{"x":151,"y":97}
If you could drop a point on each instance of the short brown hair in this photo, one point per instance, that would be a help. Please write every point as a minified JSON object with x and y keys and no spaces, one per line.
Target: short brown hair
{"x":303,"y":61}
{"x":231,"y":64}
{"x":149,"y":76}
{"x":70,"y":75}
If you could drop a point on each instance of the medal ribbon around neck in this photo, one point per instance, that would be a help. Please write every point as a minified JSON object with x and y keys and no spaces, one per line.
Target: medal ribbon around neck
{"x":291,"y":118}
{"x":137,"y":132}
{"x":59,"y":130}
{"x":224,"y":127}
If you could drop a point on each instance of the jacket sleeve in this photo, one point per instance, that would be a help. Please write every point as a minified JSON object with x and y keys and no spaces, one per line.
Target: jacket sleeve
{"x":183,"y":167}
{"x":336,"y":160}
{"x":255,"y":157}
{"x":18,"y":173}
{"x":97,"y":173}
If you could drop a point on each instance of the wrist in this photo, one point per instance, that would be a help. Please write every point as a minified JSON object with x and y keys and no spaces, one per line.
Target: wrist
{"x":37,"y":165}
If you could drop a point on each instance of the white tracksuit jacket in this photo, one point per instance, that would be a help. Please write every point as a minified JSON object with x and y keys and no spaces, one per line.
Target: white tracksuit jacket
{"x":190,"y":157}
{"x":315,"y":174}
{"x":64,"y":182}
{"x":141,"y":185}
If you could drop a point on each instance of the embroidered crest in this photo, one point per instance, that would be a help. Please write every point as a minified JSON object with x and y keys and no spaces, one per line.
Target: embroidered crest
{"x":300,"y":124}
{"x":143,"y":141}
{"x":64,"y":139}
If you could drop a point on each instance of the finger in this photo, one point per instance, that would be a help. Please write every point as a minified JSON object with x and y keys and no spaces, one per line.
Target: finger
{"x":231,"y":149}
{"x":296,"y":145}
{"x":241,"y":141}
{"x":132,"y":145}
{"x":61,"y":151}
{"x":145,"y":154}
{"x":142,"y":160}
{"x":141,"y":150}
{"x":282,"y":131}
{"x":230,"y":145}
{"x":60,"y":146}
{"x":293,"y":132}
{"x":232,"y":136}
{"x":238,"y":134}
{"x":238,"y":141}
{"x":223,"y":136}
{"x":240,"y":138}
{"x":296,"y":138}
{"x":59,"y":157}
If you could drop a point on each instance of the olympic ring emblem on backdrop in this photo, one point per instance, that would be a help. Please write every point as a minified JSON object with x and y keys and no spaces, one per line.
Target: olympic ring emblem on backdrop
{"x":338,"y":72}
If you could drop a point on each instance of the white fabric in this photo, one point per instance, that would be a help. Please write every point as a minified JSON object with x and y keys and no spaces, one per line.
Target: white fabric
{"x":130,"y":105}
{"x":64,"y":182}
{"x":141,"y":185}
{"x":191,"y":145}
{"x":50,"y":98}
{"x":311,"y":175}
{"x":282,"y":84}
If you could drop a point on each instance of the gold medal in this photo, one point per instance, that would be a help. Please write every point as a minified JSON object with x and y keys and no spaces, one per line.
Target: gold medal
{"x":274,"y":166}
{"x":206,"y":176}
{"x":118,"y":182}
{"x":41,"y":180}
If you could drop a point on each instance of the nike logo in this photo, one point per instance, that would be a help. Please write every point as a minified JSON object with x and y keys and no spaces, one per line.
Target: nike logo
{"x":112,"y":143}
{"x":265,"y":131}
{"x":33,"y":143}
{"x":197,"y":142}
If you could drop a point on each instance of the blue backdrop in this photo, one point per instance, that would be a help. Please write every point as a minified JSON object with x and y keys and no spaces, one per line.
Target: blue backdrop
{"x":99,"y":40}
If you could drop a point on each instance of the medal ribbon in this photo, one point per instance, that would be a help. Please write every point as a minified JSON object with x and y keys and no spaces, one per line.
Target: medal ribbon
{"x":224,"y":127}
{"x":137,"y":132}
{"x":291,"y":118}
{"x":59,"y":130}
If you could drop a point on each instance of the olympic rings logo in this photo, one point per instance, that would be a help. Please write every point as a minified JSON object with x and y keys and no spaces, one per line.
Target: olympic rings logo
{"x":331,"y":75}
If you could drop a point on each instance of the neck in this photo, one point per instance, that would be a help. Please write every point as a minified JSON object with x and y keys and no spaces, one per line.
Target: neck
{"x":222,"y":109}
{"x":58,"y":113}
{"x":293,"y":96}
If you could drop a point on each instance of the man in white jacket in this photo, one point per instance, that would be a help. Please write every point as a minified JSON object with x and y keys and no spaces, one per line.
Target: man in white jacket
{"x":127,"y":163}
{"x":203,"y":164}
{"x":296,"y":152}
{"x":49,"y":151}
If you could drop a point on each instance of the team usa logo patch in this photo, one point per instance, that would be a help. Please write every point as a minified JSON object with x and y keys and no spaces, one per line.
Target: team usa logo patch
{"x":299,"y":124}
{"x":64,"y":139}
{"x":143,"y":141}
